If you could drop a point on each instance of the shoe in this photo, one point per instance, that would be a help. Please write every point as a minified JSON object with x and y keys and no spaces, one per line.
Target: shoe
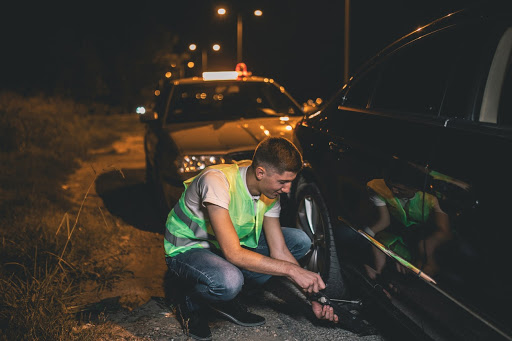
{"x":194,"y":323}
{"x":237,"y":312}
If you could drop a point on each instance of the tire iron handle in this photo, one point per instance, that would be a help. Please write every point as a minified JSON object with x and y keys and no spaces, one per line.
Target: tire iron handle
{"x":347,"y":319}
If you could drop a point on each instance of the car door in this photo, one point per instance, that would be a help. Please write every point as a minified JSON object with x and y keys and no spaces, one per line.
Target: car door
{"x":400,"y":125}
{"x":470,"y":175}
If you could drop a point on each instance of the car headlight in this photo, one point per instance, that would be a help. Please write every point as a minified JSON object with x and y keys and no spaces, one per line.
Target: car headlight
{"x":194,"y":163}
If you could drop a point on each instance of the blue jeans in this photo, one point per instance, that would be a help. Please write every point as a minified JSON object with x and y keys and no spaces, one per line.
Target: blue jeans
{"x":205,"y":275}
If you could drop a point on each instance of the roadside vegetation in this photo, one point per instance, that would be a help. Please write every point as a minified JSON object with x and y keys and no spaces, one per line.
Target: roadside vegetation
{"x":45,"y":249}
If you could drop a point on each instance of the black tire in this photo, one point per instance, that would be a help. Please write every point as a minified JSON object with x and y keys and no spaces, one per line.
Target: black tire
{"x":313,"y":218}
{"x":162,"y":204}
{"x":156,"y":191}
{"x":149,"y":174}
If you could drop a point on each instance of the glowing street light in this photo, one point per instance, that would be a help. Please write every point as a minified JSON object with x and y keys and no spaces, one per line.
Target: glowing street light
{"x":239,"y":30}
{"x":204,"y":54}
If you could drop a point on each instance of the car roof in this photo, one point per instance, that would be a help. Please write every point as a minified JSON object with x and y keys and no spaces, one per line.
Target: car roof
{"x":471,"y":13}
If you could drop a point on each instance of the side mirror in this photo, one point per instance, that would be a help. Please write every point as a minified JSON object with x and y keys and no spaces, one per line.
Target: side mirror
{"x":311,"y":105}
{"x":148,"y":116}
{"x":308,"y":109}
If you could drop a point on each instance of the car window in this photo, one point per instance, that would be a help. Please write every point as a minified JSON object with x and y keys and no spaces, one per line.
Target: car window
{"x":414,"y":77}
{"x":360,"y":92}
{"x":494,"y":103}
{"x":505,"y":107}
{"x":227,"y":101}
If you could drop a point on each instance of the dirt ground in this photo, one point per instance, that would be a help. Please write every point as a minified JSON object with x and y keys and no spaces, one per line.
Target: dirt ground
{"x":135,"y":305}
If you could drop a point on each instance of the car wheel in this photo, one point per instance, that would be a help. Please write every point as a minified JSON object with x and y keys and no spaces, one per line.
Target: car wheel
{"x":312,"y":217}
{"x":149,"y":173}
{"x":162,"y":204}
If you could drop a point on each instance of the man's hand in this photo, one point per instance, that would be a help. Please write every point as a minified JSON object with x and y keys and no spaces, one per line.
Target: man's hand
{"x":309,"y":281}
{"x":324,"y":312}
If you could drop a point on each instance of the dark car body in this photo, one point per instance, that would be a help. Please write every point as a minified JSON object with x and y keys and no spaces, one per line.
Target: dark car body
{"x":198,"y":122}
{"x":437,"y":103}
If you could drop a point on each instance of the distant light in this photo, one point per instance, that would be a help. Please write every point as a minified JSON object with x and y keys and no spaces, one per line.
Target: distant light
{"x":258,"y":13}
{"x":168,"y":74}
{"x":192,"y":47}
{"x":190,"y":65}
{"x":267,"y":132}
{"x":318,"y":101}
{"x":219,"y":75}
{"x":157,"y":92}
{"x":173,"y":64}
{"x":289,"y":127}
{"x":140,"y":110}
{"x":284,"y":118}
{"x":281,"y":89}
{"x":221,"y":11}
{"x":216,"y":47}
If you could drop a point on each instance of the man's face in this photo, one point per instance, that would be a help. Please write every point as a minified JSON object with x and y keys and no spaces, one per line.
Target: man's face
{"x":401,"y":191}
{"x":272,"y":183}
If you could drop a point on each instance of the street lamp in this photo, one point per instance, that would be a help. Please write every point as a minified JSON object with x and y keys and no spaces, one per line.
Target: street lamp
{"x":239,"y":30}
{"x":204,"y":54}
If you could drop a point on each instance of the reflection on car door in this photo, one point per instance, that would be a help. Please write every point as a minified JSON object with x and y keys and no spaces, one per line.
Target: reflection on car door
{"x":471,"y":178}
{"x":399,"y":128}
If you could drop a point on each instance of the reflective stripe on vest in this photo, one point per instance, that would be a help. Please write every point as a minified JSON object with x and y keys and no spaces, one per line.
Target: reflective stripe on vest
{"x":185,"y":231}
{"x":415,"y":214}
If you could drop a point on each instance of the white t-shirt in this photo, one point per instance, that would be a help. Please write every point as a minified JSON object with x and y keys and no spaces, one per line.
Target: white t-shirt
{"x":377,"y":201}
{"x":213,"y":187}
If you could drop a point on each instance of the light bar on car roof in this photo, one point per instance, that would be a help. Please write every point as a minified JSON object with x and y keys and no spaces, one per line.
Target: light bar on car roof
{"x":220,"y":75}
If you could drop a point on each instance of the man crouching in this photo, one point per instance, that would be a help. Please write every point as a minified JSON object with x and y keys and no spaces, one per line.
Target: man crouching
{"x":214,"y":241}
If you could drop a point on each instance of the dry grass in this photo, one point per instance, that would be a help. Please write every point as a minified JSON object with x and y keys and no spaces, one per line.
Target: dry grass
{"x":43,"y":247}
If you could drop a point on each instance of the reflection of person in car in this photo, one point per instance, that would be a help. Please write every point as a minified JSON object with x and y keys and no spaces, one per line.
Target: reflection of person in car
{"x":410,"y":222}
{"x":225,"y":231}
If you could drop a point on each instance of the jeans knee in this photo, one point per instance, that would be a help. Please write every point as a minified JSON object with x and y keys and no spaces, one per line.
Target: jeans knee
{"x":230,"y":284}
{"x":302,"y":244}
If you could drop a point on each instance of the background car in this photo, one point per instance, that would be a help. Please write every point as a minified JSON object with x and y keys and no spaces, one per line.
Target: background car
{"x":432,"y":110}
{"x":217,"y":118}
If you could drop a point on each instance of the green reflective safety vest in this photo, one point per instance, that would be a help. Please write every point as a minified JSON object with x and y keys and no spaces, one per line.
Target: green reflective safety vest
{"x":184,"y":231}
{"x":413,"y":213}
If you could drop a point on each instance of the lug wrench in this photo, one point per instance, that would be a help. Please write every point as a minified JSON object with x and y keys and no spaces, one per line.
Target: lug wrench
{"x":347,"y":319}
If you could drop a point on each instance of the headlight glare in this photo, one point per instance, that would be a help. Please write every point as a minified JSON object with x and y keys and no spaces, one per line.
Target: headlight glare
{"x":194,"y":163}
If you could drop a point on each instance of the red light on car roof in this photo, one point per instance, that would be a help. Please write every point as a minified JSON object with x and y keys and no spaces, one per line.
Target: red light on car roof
{"x":241,"y":68}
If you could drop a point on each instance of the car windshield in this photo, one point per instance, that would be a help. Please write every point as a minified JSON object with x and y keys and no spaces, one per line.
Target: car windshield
{"x":228,"y":101}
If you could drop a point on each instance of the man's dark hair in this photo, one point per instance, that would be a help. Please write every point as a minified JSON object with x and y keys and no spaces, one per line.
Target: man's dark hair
{"x":399,"y":172}
{"x":279,"y":154}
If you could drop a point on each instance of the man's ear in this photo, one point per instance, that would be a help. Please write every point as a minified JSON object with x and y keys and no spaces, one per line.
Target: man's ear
{"x":260,"y":172}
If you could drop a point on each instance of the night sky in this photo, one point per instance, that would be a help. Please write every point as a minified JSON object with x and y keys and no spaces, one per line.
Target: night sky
{"x":114,"y":49}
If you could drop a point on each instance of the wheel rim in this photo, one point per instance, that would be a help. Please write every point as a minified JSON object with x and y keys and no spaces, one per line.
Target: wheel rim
{"x":310,"y":221}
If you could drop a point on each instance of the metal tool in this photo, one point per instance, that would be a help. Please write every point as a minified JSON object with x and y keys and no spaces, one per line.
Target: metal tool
{"x":348,"y":315}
